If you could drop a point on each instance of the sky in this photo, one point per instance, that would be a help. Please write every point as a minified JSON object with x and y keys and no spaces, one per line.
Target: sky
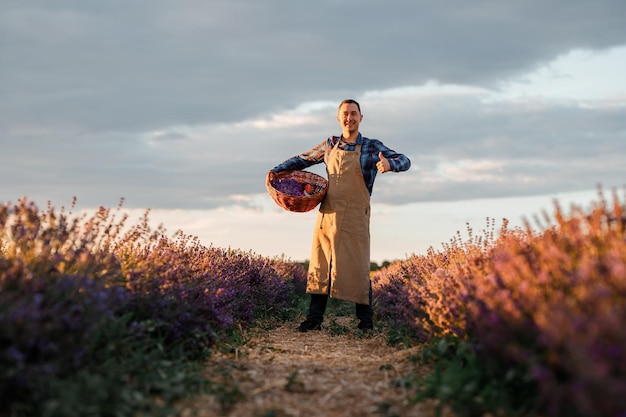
{"x":504,"y":108}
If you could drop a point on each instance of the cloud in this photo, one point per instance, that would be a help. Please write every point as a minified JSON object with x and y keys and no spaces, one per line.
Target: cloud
{"x":188,"y":106}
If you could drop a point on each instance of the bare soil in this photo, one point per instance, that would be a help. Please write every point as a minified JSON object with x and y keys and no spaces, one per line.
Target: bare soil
{"x":337,"y":371}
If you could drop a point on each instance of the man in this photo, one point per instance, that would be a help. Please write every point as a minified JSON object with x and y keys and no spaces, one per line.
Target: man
{"x":340,"y":254}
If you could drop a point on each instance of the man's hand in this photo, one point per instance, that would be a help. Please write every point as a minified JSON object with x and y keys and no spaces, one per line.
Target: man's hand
{"x":383,"y":165}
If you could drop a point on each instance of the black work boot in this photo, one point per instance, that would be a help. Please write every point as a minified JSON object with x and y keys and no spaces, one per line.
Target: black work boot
{"x":307,"y":325}
{"x":315,"y":316}
{"x":365,"y":326}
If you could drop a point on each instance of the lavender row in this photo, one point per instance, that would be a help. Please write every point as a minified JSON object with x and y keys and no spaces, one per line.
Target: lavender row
{"x":63,"y":277}
{"x":551,"y":302}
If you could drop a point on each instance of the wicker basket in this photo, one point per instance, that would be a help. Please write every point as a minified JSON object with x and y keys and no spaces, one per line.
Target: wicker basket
{"x":297,"y":203}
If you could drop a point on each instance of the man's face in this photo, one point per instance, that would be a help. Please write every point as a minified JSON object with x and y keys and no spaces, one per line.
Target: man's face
{"x":349,"y":117}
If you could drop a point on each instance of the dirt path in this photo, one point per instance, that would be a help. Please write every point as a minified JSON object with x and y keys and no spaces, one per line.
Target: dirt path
{"x":282,"y":373}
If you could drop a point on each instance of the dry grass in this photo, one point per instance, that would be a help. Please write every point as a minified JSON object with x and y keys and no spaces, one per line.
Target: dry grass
{"x":282,"y":373}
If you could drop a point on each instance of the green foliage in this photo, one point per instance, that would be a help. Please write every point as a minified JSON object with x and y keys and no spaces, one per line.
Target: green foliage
{"x":335,"y":329}
{"x":123,"y":378}
{"x":294,"y":384}
{"x":299,"y":303}
{"x":400,"y":335}
{"x":339,"y":308}
{"x":470,"y":386}
{"x":225,"y":388}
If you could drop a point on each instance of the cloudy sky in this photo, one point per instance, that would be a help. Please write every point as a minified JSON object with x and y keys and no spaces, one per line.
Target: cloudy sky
{"x":182,"y":107}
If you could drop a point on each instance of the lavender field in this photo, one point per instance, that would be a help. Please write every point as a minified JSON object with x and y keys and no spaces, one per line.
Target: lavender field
{"x":102,"y":318}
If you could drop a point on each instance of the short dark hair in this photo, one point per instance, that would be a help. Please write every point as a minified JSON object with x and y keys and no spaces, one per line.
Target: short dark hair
{"x":350,"y":101}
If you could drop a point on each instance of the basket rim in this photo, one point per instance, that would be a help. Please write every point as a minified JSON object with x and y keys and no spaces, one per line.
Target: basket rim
{"x":291,"y":172}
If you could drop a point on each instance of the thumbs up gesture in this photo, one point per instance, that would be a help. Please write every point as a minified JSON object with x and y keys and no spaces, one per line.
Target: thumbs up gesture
{"x":383,"y":165}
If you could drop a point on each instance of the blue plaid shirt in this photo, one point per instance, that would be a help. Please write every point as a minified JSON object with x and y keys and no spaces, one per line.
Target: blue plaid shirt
{"x":369,"y":157}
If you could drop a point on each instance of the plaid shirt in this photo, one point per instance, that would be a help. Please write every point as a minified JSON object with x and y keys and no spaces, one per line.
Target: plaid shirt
{"x":369,"y":157}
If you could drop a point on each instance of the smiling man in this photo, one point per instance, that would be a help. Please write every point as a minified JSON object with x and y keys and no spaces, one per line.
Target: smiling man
{"x":340,"y":253}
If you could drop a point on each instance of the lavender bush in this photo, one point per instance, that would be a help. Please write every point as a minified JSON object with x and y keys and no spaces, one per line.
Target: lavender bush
{"x":93,"y":313}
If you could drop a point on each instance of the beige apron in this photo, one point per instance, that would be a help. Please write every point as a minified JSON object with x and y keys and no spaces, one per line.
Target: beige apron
{"x":340,"y":254}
